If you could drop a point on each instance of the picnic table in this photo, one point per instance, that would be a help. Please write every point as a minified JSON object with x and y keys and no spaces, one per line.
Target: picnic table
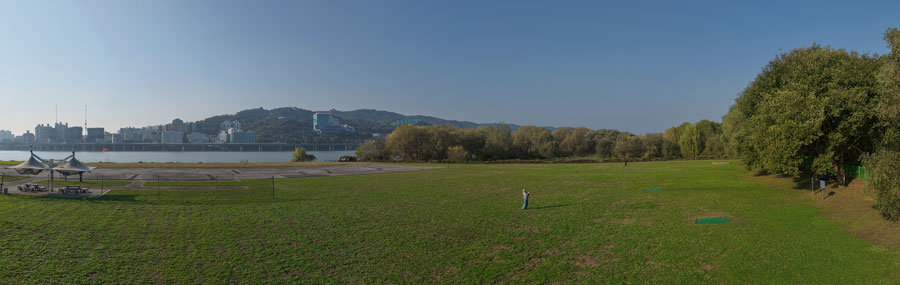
{"x":70,"y":189}
{"x":32,"y":188}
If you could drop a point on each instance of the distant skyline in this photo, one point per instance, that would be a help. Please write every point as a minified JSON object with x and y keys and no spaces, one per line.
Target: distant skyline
{"x":637,"y":67}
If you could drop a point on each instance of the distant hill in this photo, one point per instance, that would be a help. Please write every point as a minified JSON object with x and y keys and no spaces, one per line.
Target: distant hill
{"x":385,"y":117}
{"x":296,"y":124}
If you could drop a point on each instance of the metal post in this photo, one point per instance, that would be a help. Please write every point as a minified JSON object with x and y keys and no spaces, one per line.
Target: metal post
{"x":2,"y":180}
{"x":157,"y":185}
{"x":273,"y":186}
{"x":101,"y":184}
{"x":812,"y":184}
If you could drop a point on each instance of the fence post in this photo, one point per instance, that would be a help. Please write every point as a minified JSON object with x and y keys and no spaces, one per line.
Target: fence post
{"x":101,"y":184}
{"x":273,"y":186}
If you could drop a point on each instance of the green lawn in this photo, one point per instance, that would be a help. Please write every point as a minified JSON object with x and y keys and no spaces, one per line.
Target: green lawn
{"x":459,"y":224}
{"x":12,"y":178}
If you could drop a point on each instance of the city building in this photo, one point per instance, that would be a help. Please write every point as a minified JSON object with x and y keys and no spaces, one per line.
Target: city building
{"x":172,"y":137}
{"x":60,"y":132}
{"x":227,"y":125}
{"x":6,"y":136}
{"x":223,"y":137}
{"x":245,"y":137}
{"x":44,"y":134}
{"x":27,"y":137}
{"x":176,"y":125}
{"x":94,"y":135}
{"x":196,"y":137}
{"x":74,"y":135}
{"x":117,"y":138}
{"x":232,"y":133}
{"x":326,"y":123}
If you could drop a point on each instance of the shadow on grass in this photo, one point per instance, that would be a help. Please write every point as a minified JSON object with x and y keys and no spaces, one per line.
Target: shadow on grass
{"x":547,"y":207}
{"x":123,"y":198}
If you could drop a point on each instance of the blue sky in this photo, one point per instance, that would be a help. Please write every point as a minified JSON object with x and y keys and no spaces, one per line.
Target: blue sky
{"x":638,"y":66}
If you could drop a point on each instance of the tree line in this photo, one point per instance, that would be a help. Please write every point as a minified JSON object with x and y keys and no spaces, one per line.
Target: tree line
{"x":410,"y":143}
{"x":815,"y":110}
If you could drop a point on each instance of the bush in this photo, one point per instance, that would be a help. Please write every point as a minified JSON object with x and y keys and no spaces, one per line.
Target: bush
{"x":884,"y":182}
{"x":372,"y":150}
{"x":457,"y":154}
{"x":301,"y":156}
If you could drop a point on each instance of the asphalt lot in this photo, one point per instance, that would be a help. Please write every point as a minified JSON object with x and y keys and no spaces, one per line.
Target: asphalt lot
{"x":141,"y":175}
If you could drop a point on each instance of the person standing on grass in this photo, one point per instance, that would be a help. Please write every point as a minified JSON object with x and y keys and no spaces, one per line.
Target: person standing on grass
{"x":525,"y":195}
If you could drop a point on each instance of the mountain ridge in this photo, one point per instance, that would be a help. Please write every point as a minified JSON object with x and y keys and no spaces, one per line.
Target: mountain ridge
{"x":294,"y":123}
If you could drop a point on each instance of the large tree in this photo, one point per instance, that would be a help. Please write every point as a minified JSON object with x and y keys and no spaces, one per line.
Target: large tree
{"x":533,"y":142}
{"x":578,"y":142}
{"x":889,"y":82}
{"x":809,"y":110}
{"x":497,"y":141}
{"x":690,"y":142}
{"x":884,"y":165}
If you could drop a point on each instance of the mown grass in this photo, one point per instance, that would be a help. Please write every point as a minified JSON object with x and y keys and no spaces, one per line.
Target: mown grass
{"x":12,"y":178}
{"x":458,"y":224}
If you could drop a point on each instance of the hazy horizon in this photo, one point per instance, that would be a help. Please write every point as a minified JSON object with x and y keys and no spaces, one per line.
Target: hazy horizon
{"x":637,"y":67}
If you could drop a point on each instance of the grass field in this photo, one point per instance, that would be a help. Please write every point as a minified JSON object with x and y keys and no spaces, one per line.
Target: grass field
{"x":458,"y":224}
{"x":12,"y":178}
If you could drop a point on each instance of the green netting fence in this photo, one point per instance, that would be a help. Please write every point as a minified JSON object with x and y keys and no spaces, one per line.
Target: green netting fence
{"x":856,"y":172}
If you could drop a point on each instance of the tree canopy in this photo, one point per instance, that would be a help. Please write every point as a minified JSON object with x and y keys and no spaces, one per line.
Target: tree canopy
{"x":809,"y":110}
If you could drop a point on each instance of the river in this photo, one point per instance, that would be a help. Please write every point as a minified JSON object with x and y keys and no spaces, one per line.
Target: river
{"x":179,"y":156}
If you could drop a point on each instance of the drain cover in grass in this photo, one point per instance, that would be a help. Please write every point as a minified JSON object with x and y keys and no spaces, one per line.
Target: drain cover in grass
{"x":713,"y":220}
{"x":652,"y":189}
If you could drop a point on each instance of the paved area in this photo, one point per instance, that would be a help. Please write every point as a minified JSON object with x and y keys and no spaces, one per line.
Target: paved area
{"x":139,"y":176}
{"x":200,"y":174}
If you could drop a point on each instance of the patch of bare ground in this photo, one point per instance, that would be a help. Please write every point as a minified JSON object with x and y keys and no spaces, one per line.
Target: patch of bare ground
{"x":848,"y":205}
{"x":707,"y":267}
{"x":600,"y":257}
{"x":654,"y":265}
{"x":625,"y":221}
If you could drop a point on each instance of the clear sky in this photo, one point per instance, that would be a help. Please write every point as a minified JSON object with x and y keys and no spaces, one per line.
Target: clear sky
{"x":637,"y":66}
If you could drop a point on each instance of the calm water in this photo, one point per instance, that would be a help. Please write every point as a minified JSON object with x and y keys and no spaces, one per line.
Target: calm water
{"x":184,"y":157}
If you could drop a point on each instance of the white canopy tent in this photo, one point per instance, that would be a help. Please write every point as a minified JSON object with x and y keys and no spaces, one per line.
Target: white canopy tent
{"x":73,"y":167}
{"x":35,"y":165}
{"x":30,"y":167}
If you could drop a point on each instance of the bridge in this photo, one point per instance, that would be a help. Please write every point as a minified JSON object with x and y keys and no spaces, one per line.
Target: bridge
{"x":180,"y":147}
